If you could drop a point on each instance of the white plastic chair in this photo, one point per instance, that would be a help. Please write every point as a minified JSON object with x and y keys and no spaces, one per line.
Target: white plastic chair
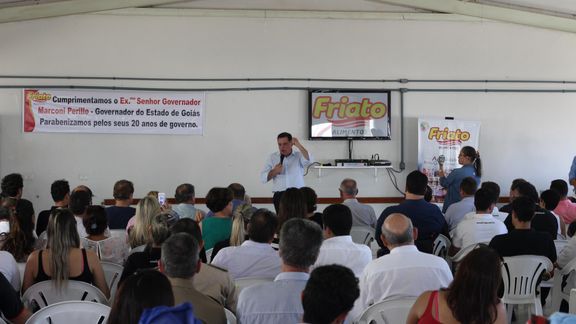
{"x":387,"y":312}
{"x":441,"y":246}
{"x":71,"y":312}
{"x":456,"y":258}
{"x":230,"y":317}
{"x":44,"y":293}
{"x":242,"y":283}
{"x":560,"y":244}
{"x":550,"y":283}
{"x":362,"y":234}
{"x":209,"y":255}
{"x":112,"y":272}
{"x":520,"y":275}
{"x":559,"y":294}
{"x":572,"y":302}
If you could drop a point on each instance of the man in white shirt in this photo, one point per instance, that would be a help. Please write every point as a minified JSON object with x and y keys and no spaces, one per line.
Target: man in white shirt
{"x":456,"y":212}
{"x":255,"y":257}
{"x":280,"y":301}
{"x":479,"y":227}
{"x":286,"y":167}
{"x":362,"y":215}
{"x":338,"y":247}
{"x":405,"y":272}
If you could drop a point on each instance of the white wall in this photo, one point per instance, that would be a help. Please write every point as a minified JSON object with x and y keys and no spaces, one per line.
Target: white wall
{"x":522,"y":135}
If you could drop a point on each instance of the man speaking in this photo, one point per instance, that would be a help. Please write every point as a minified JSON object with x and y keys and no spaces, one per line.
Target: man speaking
{"x":286,"y":167}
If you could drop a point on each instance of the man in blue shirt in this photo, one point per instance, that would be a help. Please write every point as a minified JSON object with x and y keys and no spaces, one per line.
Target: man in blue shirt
{"x":426,"y":217}
{"x":280,"y":301}
{"x":286,"y":167}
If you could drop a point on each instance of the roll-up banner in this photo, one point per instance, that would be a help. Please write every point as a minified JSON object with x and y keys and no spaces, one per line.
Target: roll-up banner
{"x":123,"y":112}
{"x":440,"y":137}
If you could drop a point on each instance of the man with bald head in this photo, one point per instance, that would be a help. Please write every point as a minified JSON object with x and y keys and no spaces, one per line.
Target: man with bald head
{"x":405,"y":272}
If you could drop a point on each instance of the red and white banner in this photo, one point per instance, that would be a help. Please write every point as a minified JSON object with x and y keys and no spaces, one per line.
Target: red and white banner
{"x":440,"y":137}
{"x":133,"y":112}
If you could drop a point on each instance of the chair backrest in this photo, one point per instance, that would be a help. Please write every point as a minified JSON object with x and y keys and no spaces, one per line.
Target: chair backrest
{"x":520,"y":275}
{"x":464,"y":251}
{"x":209,"y":255}
{"x":230,"y":317}
{"x":44,"y":293}
{"x":71,"y":312}
{"x":387,"y":312}
{"x":441,"y":246}
{"x":560,"y":244}
{"x":112,"y":272}
{"x":362,"y":234}
{"x":242,"y":283}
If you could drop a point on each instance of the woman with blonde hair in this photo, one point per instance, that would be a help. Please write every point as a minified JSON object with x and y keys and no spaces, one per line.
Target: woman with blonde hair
{"x":138,"y":232}
{"x":63,"y":259}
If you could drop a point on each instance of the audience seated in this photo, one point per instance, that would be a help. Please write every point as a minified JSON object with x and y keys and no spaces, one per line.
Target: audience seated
{"x":17,"y":242}
{"x":565,"y":209}
{"x":494,"y":189}
{"x":63,"y":259}
{"x":211,"y":281}
{"x":12,"y":186}
{"x":185,"y":198}
{"x":362,"y":214}
{"x":79,"y":202}
{"x":219,"y":226}
{"x":405,"y":272}
{"x":425,"y":216}
{"x":311,"y":199}
{"x":542,"y":220}
{"x":180,"y":262}
{"x":471,"y":298}
{"x":139,"y":225}
{"x":140,"y":291}
{"x":119,"y":214}
{"x":240,"y":218}
{"x":60,"y":191}
{"x":108,"y":248}
{"x":280,"y":301}
{"x":329,"y":294}
{"x":338,"y":247}
{"x":239,"y":196}
{"x":158,"y":231}
{"x":523,"y":239}
{"x":9,"y":268}
{"x":549,"y":200}
{"x":255,"y":257}
{"x":479,"y":227}
{"x":11,"y":306}
{"x":456,"y":212}
{"x":292,"y":205}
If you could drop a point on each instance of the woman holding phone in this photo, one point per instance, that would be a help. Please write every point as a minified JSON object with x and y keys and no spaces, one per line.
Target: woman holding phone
{"x":469,"y":158}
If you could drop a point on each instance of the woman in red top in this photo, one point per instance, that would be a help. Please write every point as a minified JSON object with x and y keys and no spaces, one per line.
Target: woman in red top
{"x":471,"y":298}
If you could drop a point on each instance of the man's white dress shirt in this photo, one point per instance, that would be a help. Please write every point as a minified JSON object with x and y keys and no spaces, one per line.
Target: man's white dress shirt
{"x":405,"y":272}
{"x":251,"y":259}
{"x":341,"y":250}
{"x":293,"y":174}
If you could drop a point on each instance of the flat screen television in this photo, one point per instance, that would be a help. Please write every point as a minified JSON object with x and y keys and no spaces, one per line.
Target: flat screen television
{"x":349,"y":114}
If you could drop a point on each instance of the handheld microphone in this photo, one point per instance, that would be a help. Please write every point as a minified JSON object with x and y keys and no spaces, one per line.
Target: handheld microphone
{"x":282,"y":158}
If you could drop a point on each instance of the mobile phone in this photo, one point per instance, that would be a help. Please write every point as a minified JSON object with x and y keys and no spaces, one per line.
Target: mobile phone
{"x":441,"y":159}
{"x":161,"y":198}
